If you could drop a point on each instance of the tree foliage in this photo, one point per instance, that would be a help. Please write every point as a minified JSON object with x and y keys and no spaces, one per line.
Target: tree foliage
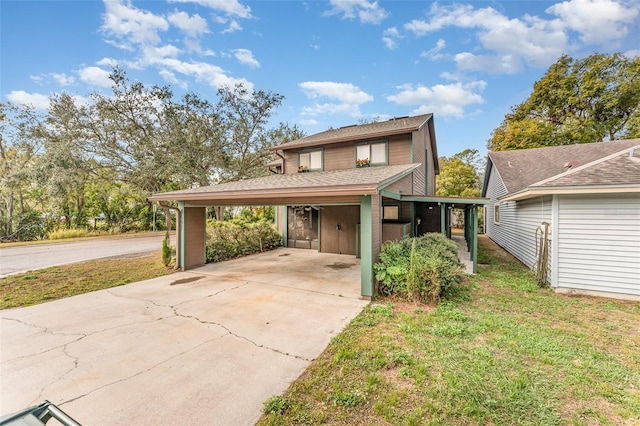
{"x":106,"y":155}
{"x":576,"y":101}
{"x":459,"y":175}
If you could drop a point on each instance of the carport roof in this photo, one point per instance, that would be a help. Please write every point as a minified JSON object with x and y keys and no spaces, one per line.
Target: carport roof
{"x":349,"y":182}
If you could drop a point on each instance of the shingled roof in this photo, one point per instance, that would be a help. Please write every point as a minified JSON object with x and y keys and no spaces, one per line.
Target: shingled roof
{"x":338,"y":182}
{"x":520,"y":169}
{"x":394,"y":126}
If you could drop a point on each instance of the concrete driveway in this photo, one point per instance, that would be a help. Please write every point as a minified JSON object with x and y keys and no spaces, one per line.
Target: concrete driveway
{"x":206,"y":346}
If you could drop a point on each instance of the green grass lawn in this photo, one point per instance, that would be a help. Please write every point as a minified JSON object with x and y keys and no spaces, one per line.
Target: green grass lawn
{"x":57,"y":282}
{"x":508,"y":353}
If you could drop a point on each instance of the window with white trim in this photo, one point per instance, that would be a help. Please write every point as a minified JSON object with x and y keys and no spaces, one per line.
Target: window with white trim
{"x":496,"y":214}
{"x":376,"y":153}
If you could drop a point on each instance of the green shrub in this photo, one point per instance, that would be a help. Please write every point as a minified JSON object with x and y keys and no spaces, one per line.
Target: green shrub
{"x":274,"y":405}
{"x":227,"y":240}
{"x":422,"y":269}
{"x":167,"y":251}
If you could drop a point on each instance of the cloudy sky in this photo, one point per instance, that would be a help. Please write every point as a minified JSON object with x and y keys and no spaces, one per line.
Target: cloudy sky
{"x":336,"y":62}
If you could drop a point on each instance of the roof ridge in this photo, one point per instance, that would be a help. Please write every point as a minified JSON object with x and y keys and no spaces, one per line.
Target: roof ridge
{"x":585,"y":166}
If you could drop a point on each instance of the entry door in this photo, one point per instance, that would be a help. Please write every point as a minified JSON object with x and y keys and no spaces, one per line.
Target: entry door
{"x":338,"y":229}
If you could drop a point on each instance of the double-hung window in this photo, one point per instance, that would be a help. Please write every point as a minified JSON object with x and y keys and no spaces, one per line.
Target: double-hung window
{"x":310,"y":160}
{"x":375,"y":152}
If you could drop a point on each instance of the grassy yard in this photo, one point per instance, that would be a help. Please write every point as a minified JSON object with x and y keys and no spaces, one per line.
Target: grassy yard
{"x":68,"y":280}
{"x":509,"y":353}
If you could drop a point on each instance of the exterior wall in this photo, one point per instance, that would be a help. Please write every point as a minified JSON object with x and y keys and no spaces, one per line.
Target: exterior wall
{"x":342,"y":156}
{"x":402,"y":187}
{"x":399,"y":150}
{"x":599,"y":244}
{"x":194,"y":236}
{"x":518,"y":221}
{"x":419,"y":145}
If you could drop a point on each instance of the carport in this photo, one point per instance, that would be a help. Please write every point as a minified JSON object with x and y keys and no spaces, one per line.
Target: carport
{"x":339,"y":189}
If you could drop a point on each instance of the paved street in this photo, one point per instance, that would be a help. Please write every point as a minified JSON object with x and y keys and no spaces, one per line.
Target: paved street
{"x":18,"y":259}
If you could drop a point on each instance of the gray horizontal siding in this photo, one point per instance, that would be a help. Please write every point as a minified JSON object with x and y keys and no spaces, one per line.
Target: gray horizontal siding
{"x":599,"y":243}
{"x":516,"y":231}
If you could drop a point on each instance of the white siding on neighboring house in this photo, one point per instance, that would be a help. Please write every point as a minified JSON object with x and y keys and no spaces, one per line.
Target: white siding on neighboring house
{"x":599,"y":243}
{"x":516,"y":231}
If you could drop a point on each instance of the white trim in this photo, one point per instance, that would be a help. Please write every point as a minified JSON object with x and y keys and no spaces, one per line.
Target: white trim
{"x":555,"y":247}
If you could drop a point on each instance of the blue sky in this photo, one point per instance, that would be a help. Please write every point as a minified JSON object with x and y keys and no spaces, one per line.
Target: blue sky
{"x":336,"y":62}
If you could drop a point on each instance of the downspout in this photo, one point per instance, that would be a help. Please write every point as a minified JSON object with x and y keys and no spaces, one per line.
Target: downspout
{"x":166,"y":209}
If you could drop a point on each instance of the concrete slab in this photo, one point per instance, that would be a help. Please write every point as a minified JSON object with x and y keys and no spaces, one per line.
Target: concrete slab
{"x":206,"y":346}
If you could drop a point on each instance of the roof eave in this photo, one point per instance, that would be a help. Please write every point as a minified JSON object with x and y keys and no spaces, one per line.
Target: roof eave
{"x":532,"y":192}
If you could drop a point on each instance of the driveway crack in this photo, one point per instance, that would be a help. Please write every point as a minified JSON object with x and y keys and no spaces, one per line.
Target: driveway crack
{"x":230,"y":332}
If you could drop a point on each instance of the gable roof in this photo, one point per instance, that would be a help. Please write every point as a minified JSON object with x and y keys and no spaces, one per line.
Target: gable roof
{"x":348,"y":182}
{"x":394,"y":126}
{"x":522,"y":168}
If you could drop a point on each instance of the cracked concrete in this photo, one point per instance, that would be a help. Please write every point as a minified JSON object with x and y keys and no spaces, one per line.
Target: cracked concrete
{"x":209,"y":350}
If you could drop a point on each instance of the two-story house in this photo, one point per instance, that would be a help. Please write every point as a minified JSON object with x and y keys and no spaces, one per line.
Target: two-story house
{"x":343,"y":191}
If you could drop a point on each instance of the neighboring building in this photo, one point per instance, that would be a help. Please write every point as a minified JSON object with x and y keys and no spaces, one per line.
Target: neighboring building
{"x":589,"y":195}
{"x":342,"y":191}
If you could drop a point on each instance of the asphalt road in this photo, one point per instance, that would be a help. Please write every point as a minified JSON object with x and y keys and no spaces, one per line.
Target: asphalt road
{"x":17,"y":259}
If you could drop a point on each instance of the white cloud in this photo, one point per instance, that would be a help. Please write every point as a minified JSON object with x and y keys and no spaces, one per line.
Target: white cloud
{"x":309,"y":122}
{"x":203,"y":72}
{"x":348,"y":97}
{"x":36,"y":100}
{"x":153,"y":54}
{"x":61,"y":78}
{"x":108,"y":62}
{"x":368,"y":12}
{"x":170,"y":77}
{"x":228,"y":7}
{"x":233,"y":27}
{"x":434,"y":52}
{"x":343,"y":92}
{"x":631,"y":54}
{"x":597,"y":21}
{"x":441,"y":99}
{"x":510,"y":43}
{"x":390,"y":37}
{"x":95,"y":76}
{"x":131,"y":24}
{"x":245,"y":56}
{"x":193,"y":26}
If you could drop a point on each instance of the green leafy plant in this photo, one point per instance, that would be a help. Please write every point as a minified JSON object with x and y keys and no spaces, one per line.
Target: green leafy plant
{"x":234,"y":238}
{"x":276,"y":404}
{"x":423,"y":269}
{"x":167,"y":250}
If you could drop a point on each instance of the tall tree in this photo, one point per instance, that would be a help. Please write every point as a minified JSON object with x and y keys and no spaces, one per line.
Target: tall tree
{"x":246,"y":140}
{"x":576,"y":101}
{"x":459,"y":175}
{"x":19,"y":147}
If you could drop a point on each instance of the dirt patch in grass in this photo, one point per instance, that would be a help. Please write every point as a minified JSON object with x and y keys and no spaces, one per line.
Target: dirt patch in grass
{"x":57,"y":282}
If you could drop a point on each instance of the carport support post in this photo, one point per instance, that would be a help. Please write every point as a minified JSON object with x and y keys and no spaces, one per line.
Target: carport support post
{"x":366,"y":246}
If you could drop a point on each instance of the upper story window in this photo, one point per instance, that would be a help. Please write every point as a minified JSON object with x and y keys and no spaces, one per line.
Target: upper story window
{"x":310,"y":161}
{"x":375,"y":152}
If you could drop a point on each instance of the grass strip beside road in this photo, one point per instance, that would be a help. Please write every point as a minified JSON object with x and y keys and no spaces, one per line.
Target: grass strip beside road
{"x":57,"y":282}
{"x":508,"y":353}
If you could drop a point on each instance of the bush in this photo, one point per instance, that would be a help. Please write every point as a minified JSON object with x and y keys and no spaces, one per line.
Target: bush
{"x":61,"y":234}
{"x":227,"y":240}
{"x":424,"y":269}
{"x":276,"y":404}
{"x":167,"y":251}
